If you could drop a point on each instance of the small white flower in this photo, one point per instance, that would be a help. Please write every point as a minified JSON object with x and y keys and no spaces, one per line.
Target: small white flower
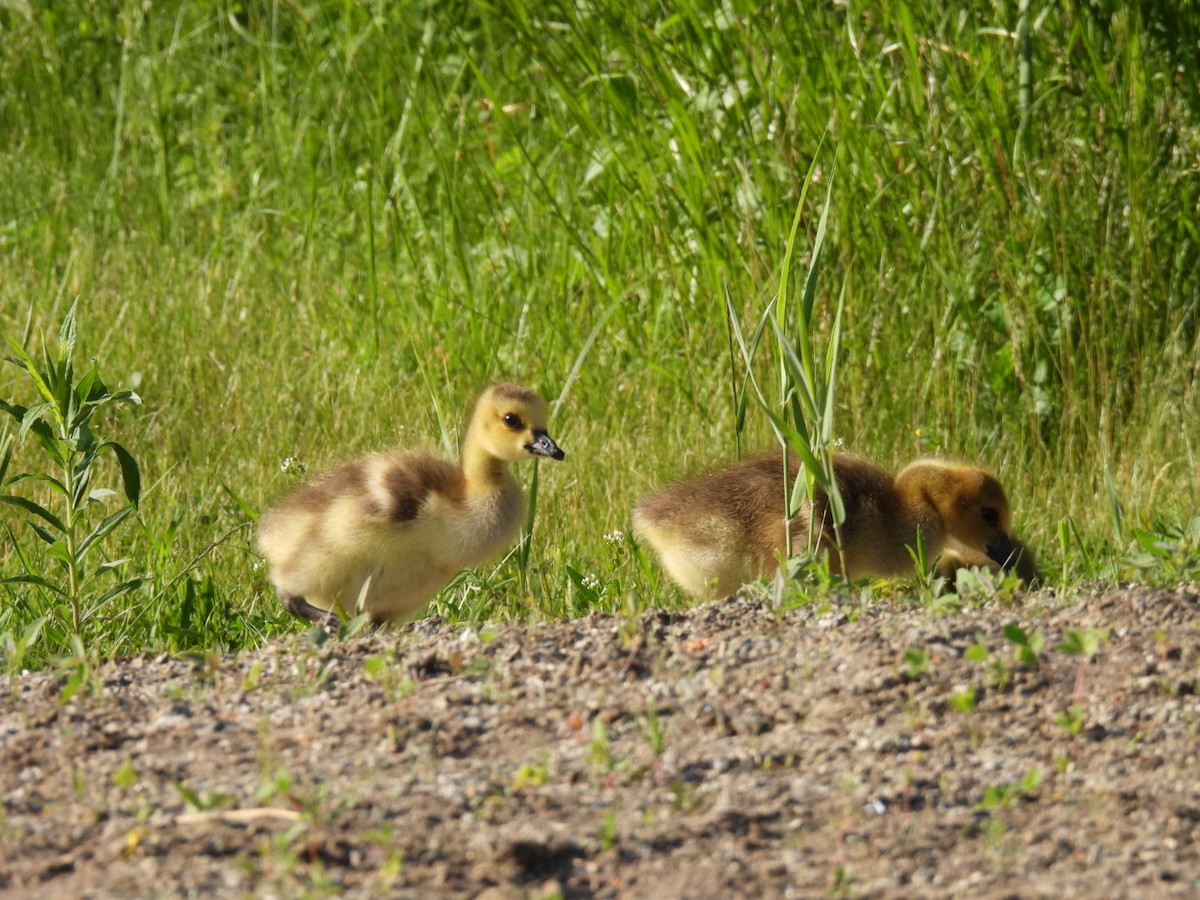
{"x":591,"y":582}
{"x":614,"y":537}
{"x":286,"y":464}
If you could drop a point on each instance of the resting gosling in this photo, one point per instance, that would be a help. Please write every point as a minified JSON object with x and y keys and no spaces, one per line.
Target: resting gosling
{"x":384,"y":533}
{"x":717,"y":532}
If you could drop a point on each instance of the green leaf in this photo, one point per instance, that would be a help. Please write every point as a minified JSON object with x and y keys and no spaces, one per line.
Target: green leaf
{"x":58,"y":451}
{"x":32,"y":416}
{"x":1082,"y":641}
{"x":36,"y":580}
{"x":24,"y":361}
{"x":790,"y":247}
{"x":67,"y":332}
{"x":799,"y":376}
{"x":1159,"y":545}
{"x":126,"y":397}
{"x":1032,"y":779}
{"x":40,"y":428}
{"x":74,"y":682}
{"x":62,"y":381}
{"x":976,"y":653}
{"x":831,"y":358}
{"x":111,"y":566}
{"x":58,"y":551}
{"x":15,"y":410}
{"x":83,"y":440}
{"x":125,"y":776}
{"x":1016,"y":634}
{"x":40,"y":511}
{"x":590,"y":596}
{"x":1072,"y":644}
{"x":42,"y":532}
{"x":123,"y":588}
{"x":351,"y":627}
{"x":91,"y":389}
{"x":54,"y":483}
{"x":800,"y":490}
{"x":916,"y":659}
{"x":130,"y":475}
{"x":190,"y":797}
{"x":34,"y":629}
{"x":247,"y":510}
{"x":107,"y":524}
{"x":795,"y":440}
{"x":749,"y":351}
{"x":81,"y":487}
{"x":814,"y":266}
{"x":963,"y":701}
{"x":997,"y":795}
{"x":6,"y":451}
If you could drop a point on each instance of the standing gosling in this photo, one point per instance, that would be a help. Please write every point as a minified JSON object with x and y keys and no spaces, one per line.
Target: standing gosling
{"x":384,"y":533}
{"x":722,"y":530}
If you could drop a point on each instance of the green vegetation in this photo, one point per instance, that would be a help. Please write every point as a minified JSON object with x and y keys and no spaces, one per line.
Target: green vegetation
{"x":72,"y":595}
{"x":302,"y":231}
{"x":916,"y":662}
{"x":1007,"y":793}
{"x":608,"y":830}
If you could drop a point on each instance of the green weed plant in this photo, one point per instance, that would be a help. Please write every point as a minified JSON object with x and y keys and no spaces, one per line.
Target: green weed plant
{"x":78,"y":583}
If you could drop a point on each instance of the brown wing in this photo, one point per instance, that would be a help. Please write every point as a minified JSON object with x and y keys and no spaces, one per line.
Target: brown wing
{"x":409,"y":482}
{"x":392,"y":487}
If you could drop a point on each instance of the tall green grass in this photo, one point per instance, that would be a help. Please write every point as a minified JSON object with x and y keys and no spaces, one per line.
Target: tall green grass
{"x":306,"y":230}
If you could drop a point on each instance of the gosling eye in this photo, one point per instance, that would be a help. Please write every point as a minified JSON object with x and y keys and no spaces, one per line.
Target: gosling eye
{"x":513,"y":421}
{"x":990,"y":515}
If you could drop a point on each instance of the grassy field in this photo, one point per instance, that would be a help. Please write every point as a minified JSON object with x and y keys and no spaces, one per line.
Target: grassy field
{"x":304,"y":230}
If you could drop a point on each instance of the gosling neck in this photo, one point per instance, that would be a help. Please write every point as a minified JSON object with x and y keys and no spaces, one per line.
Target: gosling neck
{"x":484,"y":473}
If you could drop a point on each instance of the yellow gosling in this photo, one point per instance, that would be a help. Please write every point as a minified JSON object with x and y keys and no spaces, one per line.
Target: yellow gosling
{"x":719,"y":531}
{"x":384,"y":533}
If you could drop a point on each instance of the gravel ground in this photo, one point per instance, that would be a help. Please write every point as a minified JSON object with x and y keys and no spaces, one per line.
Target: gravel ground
{"x":730,"y":750}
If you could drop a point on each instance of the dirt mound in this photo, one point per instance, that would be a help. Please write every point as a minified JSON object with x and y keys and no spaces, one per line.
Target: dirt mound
{"x":1048,"y":749}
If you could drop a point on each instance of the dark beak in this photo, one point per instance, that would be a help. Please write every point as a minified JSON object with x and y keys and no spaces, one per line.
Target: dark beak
{"x":543,"y":445}
{"x":1003,"y":552}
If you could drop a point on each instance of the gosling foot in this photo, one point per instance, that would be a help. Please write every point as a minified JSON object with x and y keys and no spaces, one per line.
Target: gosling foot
{"x":300,"y":607}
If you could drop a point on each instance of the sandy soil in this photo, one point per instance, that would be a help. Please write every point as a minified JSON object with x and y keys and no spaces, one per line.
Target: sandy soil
{"x":732,"y":750}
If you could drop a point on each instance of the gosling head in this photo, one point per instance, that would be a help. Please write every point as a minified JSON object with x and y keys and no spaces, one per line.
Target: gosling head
{"x":510,"y":424}
{"x":971,"y":504}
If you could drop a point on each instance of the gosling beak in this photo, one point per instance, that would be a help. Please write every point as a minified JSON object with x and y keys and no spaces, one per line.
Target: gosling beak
{"x":1003,"y":552}
{"x":543,"y":445}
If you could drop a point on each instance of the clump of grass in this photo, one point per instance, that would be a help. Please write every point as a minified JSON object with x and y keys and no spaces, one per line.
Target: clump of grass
{"x":802,"y":414}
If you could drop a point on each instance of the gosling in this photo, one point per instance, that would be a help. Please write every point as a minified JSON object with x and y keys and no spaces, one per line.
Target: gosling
{"x":384,"y":533}
{"x":717,"y":532}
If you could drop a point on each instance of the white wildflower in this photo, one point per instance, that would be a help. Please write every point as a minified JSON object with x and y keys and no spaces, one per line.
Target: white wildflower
{"x":291,"y":464}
